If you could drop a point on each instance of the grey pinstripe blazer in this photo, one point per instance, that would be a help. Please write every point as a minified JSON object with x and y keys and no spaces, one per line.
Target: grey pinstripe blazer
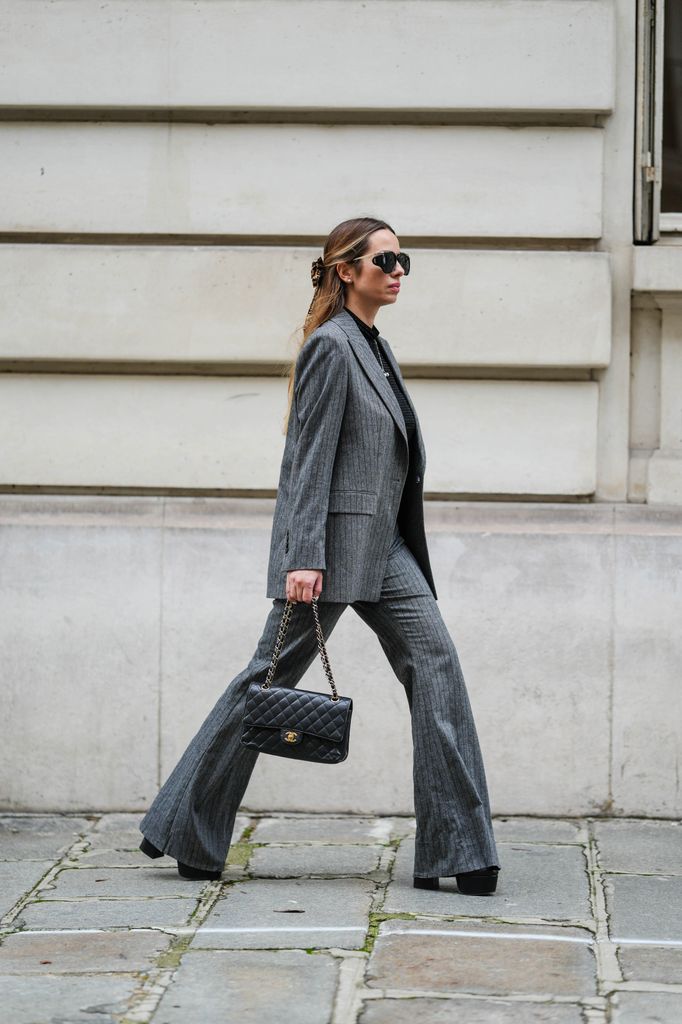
{"x":344,"y":465}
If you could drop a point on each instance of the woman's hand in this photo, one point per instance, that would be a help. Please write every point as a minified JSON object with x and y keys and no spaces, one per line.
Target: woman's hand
{"x":304,"y":584}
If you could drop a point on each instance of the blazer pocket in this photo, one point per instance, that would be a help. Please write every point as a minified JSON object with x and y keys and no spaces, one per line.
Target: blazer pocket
{"x":352,"y":501}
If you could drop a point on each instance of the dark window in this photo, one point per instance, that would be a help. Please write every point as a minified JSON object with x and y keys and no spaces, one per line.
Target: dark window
{"x":671,"y":171}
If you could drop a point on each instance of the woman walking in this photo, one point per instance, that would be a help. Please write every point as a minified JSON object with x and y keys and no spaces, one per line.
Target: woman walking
{"x":348,"y":528}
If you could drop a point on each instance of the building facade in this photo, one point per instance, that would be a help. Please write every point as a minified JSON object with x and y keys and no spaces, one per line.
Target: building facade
{"x":170,"y":169}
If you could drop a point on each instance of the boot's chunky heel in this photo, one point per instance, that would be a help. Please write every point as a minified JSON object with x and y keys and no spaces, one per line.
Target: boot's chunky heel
{"x":481,"y":882}
{"x":150,"y":849}
{"x":187,"y":871}
{"x":425,"y":883}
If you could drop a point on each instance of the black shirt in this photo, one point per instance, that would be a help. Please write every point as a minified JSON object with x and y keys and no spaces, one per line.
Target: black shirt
{"x":372,"y":336}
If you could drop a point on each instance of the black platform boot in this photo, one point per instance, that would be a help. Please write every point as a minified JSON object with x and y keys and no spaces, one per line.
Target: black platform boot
{"x":150,"y":849}
{"x":425,"y":883}
{"x":184,"y":870}
{"x":187,"y":871}
{"x":481,"y":882}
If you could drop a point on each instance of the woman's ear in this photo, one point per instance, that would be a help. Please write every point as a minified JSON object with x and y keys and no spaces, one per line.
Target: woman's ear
{"x":344,"y":271}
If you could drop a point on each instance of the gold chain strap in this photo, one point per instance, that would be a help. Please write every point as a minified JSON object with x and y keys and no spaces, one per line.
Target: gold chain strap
{"x":283,"y":626}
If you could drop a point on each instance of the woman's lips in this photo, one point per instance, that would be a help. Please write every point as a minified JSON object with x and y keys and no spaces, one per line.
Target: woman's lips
{"x":394,"y":287}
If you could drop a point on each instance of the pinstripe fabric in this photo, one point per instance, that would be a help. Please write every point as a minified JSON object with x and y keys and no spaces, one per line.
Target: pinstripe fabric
{"x":345,"y":468}
{"x":192,"y":818}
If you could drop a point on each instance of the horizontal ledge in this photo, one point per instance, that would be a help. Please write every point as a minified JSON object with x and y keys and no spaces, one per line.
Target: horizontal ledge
{"x":235,"y":492}
{"x":420,"y":371}
{"x":197,"y":180}
{"x":657,"y":274}
{"x":143,"y":492}
{"x":542,"y":243}
{"x":146,"y":368}
{"x":120,"y":431}
{"x":502,"y":117}
{"x":80,"y":507}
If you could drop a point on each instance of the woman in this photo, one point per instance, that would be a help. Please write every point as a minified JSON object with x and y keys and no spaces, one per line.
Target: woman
{"x":348,"y":528}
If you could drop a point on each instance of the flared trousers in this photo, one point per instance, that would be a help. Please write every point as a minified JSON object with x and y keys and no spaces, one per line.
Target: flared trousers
{"x":192,"y":818}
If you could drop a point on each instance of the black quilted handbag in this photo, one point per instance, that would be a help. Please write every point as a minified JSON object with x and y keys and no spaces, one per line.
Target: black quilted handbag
{"x":291,"y":722}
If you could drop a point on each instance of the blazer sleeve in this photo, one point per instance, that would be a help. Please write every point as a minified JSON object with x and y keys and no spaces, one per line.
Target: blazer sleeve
{"x":320,"y":388}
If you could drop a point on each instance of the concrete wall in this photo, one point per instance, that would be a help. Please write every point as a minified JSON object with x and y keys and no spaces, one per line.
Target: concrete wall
{"x":127,"y":617}
{"x":169,"y":172}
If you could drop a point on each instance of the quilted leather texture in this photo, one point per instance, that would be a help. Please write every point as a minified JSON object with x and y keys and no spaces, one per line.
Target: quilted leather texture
{"x":268,"y":741}
{"x":308,"y":710}
{"x":325,"y":724}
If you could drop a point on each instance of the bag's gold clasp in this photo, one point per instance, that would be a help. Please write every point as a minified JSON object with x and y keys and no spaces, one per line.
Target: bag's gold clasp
{"x":291,"y":735}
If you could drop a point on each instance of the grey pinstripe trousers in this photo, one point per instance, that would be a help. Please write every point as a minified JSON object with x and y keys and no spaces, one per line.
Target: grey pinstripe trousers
{"x":192,"y":817}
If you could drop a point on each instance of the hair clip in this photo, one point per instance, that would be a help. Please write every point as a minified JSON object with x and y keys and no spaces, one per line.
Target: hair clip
{"x":317,"y":271}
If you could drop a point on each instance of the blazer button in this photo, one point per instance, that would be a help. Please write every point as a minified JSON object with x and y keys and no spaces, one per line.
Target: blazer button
{"x":418,"y":478}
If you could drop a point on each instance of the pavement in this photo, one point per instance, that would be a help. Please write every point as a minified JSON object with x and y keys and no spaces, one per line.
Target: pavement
{"x":316,"y":920}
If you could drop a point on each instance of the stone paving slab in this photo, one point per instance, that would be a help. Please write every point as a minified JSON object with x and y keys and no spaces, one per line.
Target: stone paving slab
{"x":221,"y":987}
{"x":115,"y":839}
{"x":118,"y":822}
{"x":119,"y":882}
{"x":105,"y":915}
{"x":67,"y":1000}
{"x":121,"y":833}
{"x":487,"y":960}
{"x":120,"y":854}
{"x":544,"y":881}
{"x":540,"y":830}
{"x":170,"y":913}
{"x":130,"y":823}
{"x":16,"y":878}
{"x":109,"y":952}
{"x":645,"y":906}
{"x":240,"y":823}
{"x":427,"y":1010}
{"x":292,"y":913}
{"x":659,"y":964}
{"x":113,"y":858}
{"x":647,"y":1008}
{"x":290,"y":861}
{"x":401,"y":826}
{"x":322,"y":830}
{"x":640,"y":847}
{"x":44,"y":837}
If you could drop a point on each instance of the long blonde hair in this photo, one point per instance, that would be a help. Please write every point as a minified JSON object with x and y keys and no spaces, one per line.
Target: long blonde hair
{"x":345,"y":242}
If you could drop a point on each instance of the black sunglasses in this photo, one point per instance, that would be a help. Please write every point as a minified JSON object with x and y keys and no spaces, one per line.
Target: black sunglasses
{"x":386,"y":261}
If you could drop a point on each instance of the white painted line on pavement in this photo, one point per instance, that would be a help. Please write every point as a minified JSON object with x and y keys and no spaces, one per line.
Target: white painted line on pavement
{"x":647,"y":942}
{"x":302,"y":928}
{"x":458,"y":933}
{"x":486,"y":935}
{"x":114,"y":930}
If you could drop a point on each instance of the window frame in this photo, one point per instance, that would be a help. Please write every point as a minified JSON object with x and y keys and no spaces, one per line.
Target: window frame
{"x":648,"y":222}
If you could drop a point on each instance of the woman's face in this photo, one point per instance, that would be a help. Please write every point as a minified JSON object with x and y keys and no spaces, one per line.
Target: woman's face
{"x":367,"y":282}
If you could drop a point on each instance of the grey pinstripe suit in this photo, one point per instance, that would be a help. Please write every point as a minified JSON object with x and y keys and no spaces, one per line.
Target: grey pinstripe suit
{"x":343,"y":470}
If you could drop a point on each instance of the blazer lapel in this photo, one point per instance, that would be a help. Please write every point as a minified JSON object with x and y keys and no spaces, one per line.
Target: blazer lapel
{"x":370,"y":365}
{"x":399,"y":377}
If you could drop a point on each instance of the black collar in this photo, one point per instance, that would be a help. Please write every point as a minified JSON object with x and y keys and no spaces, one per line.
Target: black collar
{"x":369,"y":332}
